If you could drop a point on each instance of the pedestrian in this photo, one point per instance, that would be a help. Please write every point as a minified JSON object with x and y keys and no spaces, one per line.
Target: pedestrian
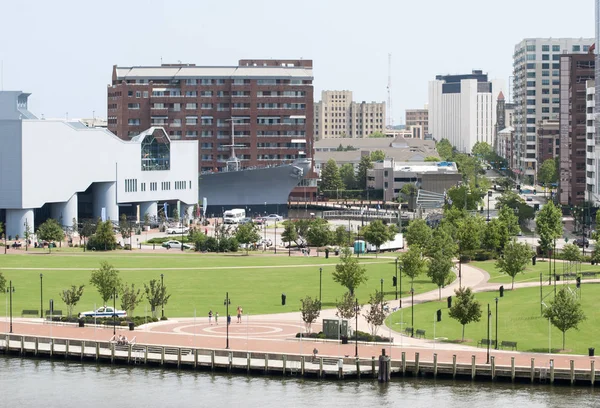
{"x":239,"y":314}
{"x":210,"y":315}
{"x":228,"y":320}
{"x":217,"y":318}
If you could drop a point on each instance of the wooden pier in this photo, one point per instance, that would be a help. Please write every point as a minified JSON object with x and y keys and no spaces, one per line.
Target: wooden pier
{"x":274,"y":364}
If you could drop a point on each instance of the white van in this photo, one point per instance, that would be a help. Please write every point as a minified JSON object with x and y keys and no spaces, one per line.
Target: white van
{"x":234,"y":216}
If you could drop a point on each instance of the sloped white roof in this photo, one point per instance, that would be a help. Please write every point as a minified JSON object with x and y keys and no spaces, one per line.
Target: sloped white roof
{"x":124,"y":73}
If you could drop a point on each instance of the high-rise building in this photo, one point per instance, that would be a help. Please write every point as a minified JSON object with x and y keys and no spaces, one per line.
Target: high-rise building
{"x":338,"y":116}
{"x":462,"y":109}
{"x":269,"y":101}
{"x":548,"y":140}
{"x":536,"y":94}
{"x":592,"y":153}
{"x":418,"y":119}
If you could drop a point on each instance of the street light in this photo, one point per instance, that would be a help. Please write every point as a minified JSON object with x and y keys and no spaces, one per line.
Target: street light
{"x":162,"y":301}
{"x":489,"y":314}
{"x":382,"y":295}
{"x":496,"y":299}
{"x":275,"y":237}
{"x":10,"y":291}
{"x":41,"y":296}
{"x":488,"y":197}
{"x":181,"y":225}
{"x":226,"y":303}
{"x":320,"y":283}
{"x":356,"y":310}
{"x":412,"y":311}
{"x":396,"y":278}
{"x":115,"y":296}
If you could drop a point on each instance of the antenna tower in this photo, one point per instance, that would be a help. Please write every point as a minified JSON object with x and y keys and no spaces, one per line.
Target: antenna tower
{"x":390,"y":118}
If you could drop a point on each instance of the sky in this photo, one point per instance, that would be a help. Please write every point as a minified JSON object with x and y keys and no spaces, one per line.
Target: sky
{"x":62,"y":51}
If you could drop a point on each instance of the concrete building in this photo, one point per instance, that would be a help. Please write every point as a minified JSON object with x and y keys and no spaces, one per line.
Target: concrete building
{"x":462,"y":109}
{"x":390,"y":175}
{"x":418,"y":119}
{"x":270,"y":101}
{"x":536,"y":93}
{"x":338,"y":116}
{"x":592,"y":153}
{"x":504,"y":144}
{"x":575,"y":71}
{"x":102,"y":175}
{"x":548,"y":140}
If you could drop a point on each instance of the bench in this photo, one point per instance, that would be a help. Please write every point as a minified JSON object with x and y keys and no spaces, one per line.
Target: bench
{"x":486,"y":342}
{"x":511,"y":344}
{"x":420,"y":334}
{"x":29,"y":312}
{"x":169,"y":350}
{"x":588,"y":274}
{"x":54,"y":313}
{"x":409,"y":331}
{"x":326,"y":361}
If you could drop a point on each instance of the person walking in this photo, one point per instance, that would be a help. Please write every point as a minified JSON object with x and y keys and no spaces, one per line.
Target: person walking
{"x":239,"y":314}
{"x":217,"y":318}
{"x":210,"y":315}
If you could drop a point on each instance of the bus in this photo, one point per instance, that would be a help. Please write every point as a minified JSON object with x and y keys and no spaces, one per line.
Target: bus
{"x":234,"y":216}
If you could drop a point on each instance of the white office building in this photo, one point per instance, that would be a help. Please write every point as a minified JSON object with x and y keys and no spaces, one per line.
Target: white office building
{"x":65,"y":170}
{"x":462,"y":109}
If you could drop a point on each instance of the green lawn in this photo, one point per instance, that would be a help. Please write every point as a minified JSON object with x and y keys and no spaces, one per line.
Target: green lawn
{"x":518,"y":320}
{"x":532,"y":273}
{"x":255,"y":282}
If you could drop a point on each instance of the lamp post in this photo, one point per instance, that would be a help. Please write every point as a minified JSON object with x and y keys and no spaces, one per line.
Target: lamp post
{"x":4,"y":243}
{"x":489,"y":194}
{"x":382,"y":295}
{"x":412,"y":311}
{"x":489,"y":314}
{"x":26,"y":234}
{"x":115,"y":296}
{"x":41,"y":296}
{"x":496,"y":299}
{"x":10,"y":291}
{"x":226,"y":303}
{"x":396,"y":278}
{"x":356,"y":310}
{"x":320,"y":283}
{"x":162,"y":297}
{"x":181,"y":225}
{"x":275,"y":238}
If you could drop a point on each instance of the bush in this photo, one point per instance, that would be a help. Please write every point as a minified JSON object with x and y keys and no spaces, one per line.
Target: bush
{"x":160,"y":240}
{"x":95,"y":244}
{"x":483,"y":255}
{"x":362,"y":336}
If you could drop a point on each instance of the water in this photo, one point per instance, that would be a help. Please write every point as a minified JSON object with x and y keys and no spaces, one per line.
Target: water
{"x":35,"y":383}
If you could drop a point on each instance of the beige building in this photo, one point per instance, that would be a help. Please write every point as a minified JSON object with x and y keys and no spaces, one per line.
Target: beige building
{"x":337,"y":116}
{"x":418,"y":119}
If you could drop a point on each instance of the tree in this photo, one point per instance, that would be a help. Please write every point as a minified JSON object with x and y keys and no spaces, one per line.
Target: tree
{"x":319,"y":234}
{"x":311,"y":309}
{"x":412,"y":262}
{"x":289,"y":233}
{"x":364,"y":165}
{"x":407,"y":191}
{"x":156,"y":294}
{"x":1,"y":229}
{"x":469,"y":232}
{"x":432,"y":159}
{"x":482,"y":150}
{"x":348,"y":176}
{"x":130,"y":298}
{"x":87,"y":229}
{"x":495,"y":236}
{"x":2,"y":283}
{"x":463,"y":196}
{"x":125,"y":227}
{"x":349,"y":273}
{"x":440,"y":270}
{"x":565,"y":313}
{"x":175,"y":214}
{"x":571,"y":253}
{"x":377,"y":135}
{"x":247,"y":234}
{"x":346,"y":308}
{"x":548,"y":225}
{"x":71,"y":297}
{"x":513,"y":201}
{"x":595,"y":257}
{"x":418,"y":233}
{"x":506,"y":183}
{"x":465,"y":309}
{"x":509,"y":219}
{"x":376,"y":233}
{"x":50,"y":231}
{"x":104,"y":237}
{"x":547,"y":173}
{"x":515,"y":258}
{"x":331,"y":181}
{"x":377,"y":155}
{"x":375,"y":315}
{"x":106,"y":279}
{"x":147,"y":219}
{"x":441,"y":240}
{"x":342,"y":236}
{"x":444,"y":149}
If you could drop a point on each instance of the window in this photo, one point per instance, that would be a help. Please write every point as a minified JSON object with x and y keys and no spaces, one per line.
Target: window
{"x":531,"y":75}
{"x":576,"y":48}
{"x":556,"y":48}
{"x":191,"y":94}
{"x":191,"y":106}
{"x":153,"y":186}
{"x":530,"y":83}
{"x":145,"y":93}
{"x":556,"y":57}
{"x":545,"y":48}
{"x":191,"y":133}
{"x":545,"y":82}
{"x":586,"y":48}
{"x":133,"y":122}
{"x":266,"y":82}
{"x":530,"y":57}
{"x":165,"y":185}
{"x":545,"y":100}
{"x":556,"y":65}
{"x":545,"y":73}
{"x":133,"y":106}
{"x":531,"y":65}
{"x":191,"y":120}
{"x":545,"y":57}
{"x":206,"y":106}
{"x":545,"y":109}
{"x":556,"y":91}
{"x":191,"y":82}
{"x":156,"y":152}
{"x":531,"y":92}
{"x":206,"y":82}
{"x":138,"y":94}
{"x":530,"y":48}
{"x":545,"y":91}
{"x":142,"y":186}
{"x":205,"y":94}
{"x":545,"y":66}
{"x":130,"y":185}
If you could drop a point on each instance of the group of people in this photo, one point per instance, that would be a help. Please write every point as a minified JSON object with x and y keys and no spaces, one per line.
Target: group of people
{"x":240,"y":311}
{"x":122,"y":340}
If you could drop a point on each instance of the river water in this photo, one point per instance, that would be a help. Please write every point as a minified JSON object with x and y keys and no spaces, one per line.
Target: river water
{"x":41,"y":383}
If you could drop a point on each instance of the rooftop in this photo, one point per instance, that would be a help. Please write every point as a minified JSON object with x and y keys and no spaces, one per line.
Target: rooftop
{"x":187,"y":71}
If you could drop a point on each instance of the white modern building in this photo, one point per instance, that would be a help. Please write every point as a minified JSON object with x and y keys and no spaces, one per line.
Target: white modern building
{"x":592,"y":153}
{"x":462,"y":109}
{"x":65,"y":170}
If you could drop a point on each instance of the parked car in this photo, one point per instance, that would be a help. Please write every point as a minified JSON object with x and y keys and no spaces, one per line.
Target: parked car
{"x":177,"y":230}
{"x":259,"y":221}
{"x":580,"y":242}
{"x":245,"y":220}
{"x":175,"y":245}
{"x":104,"y":311}
{"x":273,"y":217}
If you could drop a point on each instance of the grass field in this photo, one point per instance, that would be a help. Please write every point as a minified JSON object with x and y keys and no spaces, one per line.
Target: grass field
{"x":532,"y":273}
{"x":518,"y":320}
{"x":195,"y":281}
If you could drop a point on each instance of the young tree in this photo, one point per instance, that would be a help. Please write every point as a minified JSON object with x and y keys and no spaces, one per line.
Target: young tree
{"x":482,"y":150}
{"x":106,"y":279}
{"x":130,"y":298}
{"x":247,"y":234}
{"x":463,"y":196}
{"x":547,"y":173}
{"x":331,"y":182}
{"x":125,"y":228}
{"x":2,"y":283}
{"x":50,"y":231}
{"x":469,"y":232}
{"x":342,"y":236}
{"x":377,"y":135}
{"x":412,"y":262}
{"x":289,"y":233}
{"x":349,"y":273}
{"x":432,"y":159}
{"x":495,"y":236}
{"x":515,"y":258}
{"x":364,"y":165}
{"x":440,"y":269}
{"x":565,"y":313}
{"x":375,"y":314}
{"x":465,"y":309}
{"x":348,"y":176}
{"x":506,"y":183}
{"x":175,"y":214}
{"x":376,"y":233}
{"x":104,"y":237}
{"x":311,"y":309}
{"x":513,"y":201}
{"x":319,"y":234}
{"x":71,"y":297}
{"x":418,"y":233}
{"x":445,"y":149}
{"x":572,"y":254}
{"x":377,"y":155}
{"x":548,"y":225}
{"x":407,"y":191}
{"x":509,"y":219}
{"x":147,"y":220}
{"x":87,"y":229}
{"x":346,"y":308}
{"x":441,"y":241}
{"x":156,"y":294}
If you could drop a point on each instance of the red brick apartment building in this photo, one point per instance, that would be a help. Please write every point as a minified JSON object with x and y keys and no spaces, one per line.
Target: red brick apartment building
{"x":269,"y":101}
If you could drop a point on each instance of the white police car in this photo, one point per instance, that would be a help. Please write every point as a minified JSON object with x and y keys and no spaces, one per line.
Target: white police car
{"x":105,"y":311}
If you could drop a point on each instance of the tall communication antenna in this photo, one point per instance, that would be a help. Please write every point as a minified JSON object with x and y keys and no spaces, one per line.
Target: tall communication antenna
{"x":390,"y":118}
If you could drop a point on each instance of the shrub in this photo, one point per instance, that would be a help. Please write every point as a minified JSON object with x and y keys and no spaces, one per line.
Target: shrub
{"x":483,"y":255}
